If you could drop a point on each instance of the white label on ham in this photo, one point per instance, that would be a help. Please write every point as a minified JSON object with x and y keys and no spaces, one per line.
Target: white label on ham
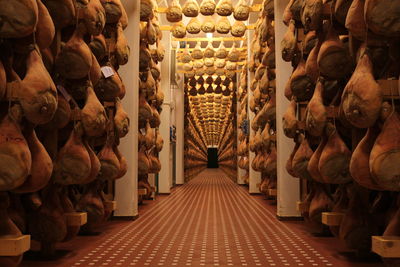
{"x":107,"y":71}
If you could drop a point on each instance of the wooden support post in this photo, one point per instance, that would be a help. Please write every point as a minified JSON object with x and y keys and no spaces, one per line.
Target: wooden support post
{"x":76,"y":218}
{"x":14,"y":245}
{"x":332,"y":218}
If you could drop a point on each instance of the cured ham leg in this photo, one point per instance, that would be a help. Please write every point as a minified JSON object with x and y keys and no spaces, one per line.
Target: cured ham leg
{"x":15,"y":156}
{"x":384,"y":161}
{"x":362,"y":96}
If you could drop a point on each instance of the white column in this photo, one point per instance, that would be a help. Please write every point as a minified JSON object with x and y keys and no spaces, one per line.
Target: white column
{"x":254,"y":177}
{"x":126,"y":187}
{"x":179,"y":116}
{"x":288,"y":187}
{"x":164,"y":185}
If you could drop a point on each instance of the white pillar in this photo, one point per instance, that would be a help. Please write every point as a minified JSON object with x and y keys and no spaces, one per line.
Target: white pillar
{"x":179,"y":116}
{"x":164,"y":185}
{"x":126,"y":187}
{"x":254,"y":176}
{"x":288,"y":187}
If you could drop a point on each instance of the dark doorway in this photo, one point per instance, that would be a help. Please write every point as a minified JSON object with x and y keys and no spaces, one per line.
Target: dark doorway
{"x":212,"y":158}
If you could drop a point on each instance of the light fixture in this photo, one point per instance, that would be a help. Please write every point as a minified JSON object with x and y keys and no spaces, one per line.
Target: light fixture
{"x":209,"y":35}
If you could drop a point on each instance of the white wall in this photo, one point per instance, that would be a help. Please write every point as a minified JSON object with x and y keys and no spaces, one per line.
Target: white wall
{"x":126,"y":187}
{"x":179,"y":116}
{"x":164,"y":184}
{"x":288,"y":187}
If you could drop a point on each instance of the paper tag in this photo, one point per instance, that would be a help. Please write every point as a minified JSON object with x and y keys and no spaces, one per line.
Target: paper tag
{"x":107,"y":71}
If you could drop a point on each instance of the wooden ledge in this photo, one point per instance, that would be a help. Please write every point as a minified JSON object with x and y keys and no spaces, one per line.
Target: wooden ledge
{"x":273,"y":192}
{"x":14,"y":246}
{"x":76,"y":218}
{"x":332,"y":218}
{"x":302,"y":206}
{"x":386,"y":246}
{"x":142,"y":191}
{"x":110,"y":205}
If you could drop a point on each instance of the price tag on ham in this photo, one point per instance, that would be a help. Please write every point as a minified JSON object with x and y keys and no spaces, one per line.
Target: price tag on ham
{"x":107,"y":71}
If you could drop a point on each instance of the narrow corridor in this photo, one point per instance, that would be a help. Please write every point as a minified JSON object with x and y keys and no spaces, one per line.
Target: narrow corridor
{"x":208,"y":222}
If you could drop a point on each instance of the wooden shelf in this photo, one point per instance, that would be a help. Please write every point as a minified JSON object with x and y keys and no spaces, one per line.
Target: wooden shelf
{"x":110,"y":205}
{"x":181,"y":50}
{"x":332,"y":218}
{"x":302,"y":206}
{"x":14,"y":246}
{"x":273,"y":192}
{"x":142,"y":191}
{"x":76,"y":218}
{"x":386,"y":246}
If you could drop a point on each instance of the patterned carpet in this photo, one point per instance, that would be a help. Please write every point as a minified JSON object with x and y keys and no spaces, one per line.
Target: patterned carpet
{"x":209,"y":222}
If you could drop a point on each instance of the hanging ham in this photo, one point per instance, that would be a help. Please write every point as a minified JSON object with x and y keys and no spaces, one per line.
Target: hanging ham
{"x":362,"y":96}
{"x":334,"y":161}
{"x":61,"y":11}
{"x":93,"y":115}
{"x":311,"y":14}
{"x":73,"y":162}
{"x":382,"y":17}
{"x":359,"y":163}
{"x":75,"y":58}
{"x":15,"y":156}
{"x":357,"y":225}
{"x":316,"y":115}
{"x":301,"y":159}
{"x":289,"y":120}
{"x":36,"y":92}
{"x":289,"y":43}
{"x":334,"y":60}
{"x":42,"y":165}
{"x":18,"y":18}
{"x":384,"y":159}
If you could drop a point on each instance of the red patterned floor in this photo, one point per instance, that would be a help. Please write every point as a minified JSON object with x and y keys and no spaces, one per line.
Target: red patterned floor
{"x":210,"y":221}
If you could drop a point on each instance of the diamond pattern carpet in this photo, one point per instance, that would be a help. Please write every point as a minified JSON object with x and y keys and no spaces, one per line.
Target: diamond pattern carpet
{"x":209,"y":221}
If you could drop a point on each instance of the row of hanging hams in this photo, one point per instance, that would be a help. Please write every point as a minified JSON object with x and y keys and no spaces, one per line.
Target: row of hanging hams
{"x":262,"y":100}
{"x":347,"y":140}
{"x":58,"y":131}
{"x":151,"y":96}
{"x":195,"y":149}
{"x":242,"y":122}
{"x":227,"y":151}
